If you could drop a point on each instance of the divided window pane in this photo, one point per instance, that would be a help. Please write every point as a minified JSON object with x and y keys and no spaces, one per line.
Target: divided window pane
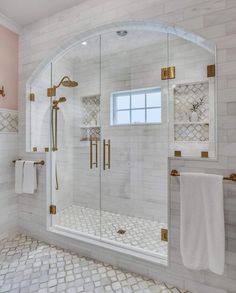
{"x":136,"y":106}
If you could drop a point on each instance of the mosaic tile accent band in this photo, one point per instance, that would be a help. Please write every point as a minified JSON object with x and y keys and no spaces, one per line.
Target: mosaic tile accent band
{"x":140,"y":233}
{"x":8,"y":121}
{"x":28,"y":265}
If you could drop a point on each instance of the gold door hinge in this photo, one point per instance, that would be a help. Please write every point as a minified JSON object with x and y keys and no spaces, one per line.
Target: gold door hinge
{"x":168,"y":73}
{"x":35,"y":149}
{"x":51,"y":92}
{"x":178,"y":154}
{"x":204,"y":155}
{"x":164,"y":235}
{"x":211,"y":70}
{"x":53,"y":209}
{"x":32,"y":97}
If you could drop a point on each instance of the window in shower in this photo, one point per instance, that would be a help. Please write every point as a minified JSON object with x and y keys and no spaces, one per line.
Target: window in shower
{"x":136,"y":106}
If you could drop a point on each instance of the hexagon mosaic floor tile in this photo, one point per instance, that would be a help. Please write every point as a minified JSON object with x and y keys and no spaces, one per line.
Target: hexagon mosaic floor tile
{"x":29,"y":265}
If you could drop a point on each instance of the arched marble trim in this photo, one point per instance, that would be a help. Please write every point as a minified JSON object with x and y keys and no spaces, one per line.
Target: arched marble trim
{"x":126,"y":25}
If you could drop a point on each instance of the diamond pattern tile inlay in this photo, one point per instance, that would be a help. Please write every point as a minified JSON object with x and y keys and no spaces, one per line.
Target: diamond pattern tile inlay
{"x":28,"y":265}
{"x":91,"y":107}
{"x":190,"y":97}
{"x":90,"y":129}
{"x":8,"y":121}
{"x":191,"y":132}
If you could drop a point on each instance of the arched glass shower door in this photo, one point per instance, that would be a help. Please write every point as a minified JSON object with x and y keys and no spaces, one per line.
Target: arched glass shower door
{"x":109,"y":167}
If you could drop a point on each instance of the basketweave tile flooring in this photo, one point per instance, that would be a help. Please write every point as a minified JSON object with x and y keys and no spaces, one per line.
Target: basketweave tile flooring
{"x":29,"y":265}
{"x":140,"y":233}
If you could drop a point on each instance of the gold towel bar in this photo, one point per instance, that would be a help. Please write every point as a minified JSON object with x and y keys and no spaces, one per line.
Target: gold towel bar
{"x":36,"y":163}
{"x":232,"y":177}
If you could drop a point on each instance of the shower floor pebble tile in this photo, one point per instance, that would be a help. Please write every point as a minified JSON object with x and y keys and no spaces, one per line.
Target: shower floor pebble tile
{"x":29,"y":265}
{"x":140,"y":233}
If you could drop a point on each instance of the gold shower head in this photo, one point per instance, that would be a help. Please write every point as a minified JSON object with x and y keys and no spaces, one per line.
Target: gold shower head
{"x":69,"y":83}
{"x":65,"y":81}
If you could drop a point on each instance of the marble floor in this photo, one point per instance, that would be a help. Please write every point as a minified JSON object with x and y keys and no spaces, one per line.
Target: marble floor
{"x":137,"y":232}
{"x":29,"y":265}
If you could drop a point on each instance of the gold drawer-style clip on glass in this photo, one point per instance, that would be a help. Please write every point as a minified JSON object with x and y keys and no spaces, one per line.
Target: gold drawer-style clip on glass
{"x":108,"y":146}
{"x":178,"y":154}
{"x":92,"y":144}
{"x":204,"y":155}
{"x":211,"y":70}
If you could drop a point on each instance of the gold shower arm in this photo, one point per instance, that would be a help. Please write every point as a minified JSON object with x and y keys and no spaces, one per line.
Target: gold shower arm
{"x":59,"y":84}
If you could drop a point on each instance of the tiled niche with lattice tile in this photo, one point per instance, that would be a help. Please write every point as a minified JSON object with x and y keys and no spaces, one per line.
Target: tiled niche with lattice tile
{"x":191,"y":112}
{"x":90,"y":129}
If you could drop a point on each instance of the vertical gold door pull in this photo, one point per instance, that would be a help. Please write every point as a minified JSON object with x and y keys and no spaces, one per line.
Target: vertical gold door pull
{"x":108,"y":146}
{"x":93,"y":143}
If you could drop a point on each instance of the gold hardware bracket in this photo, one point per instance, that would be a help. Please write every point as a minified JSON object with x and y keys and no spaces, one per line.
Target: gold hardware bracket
{"x":35,"y":149}
{"x":204,"y":155}
{"x":53,"y":209}
{"x":164,"y":234}
{"x":2,"y":92}
{"x":51,"y":92}
{"x":36,"y":163}
{"x":211,"y":70}
{"x":178,"y":154}
{"x":108,"y":146}
{"x":46,"y":149}
{"x":168,"y":73}
{"x":231,"y":177}
{"x":93,"y":143}
{"x":174,"y":173}
{"x":32,"y":97}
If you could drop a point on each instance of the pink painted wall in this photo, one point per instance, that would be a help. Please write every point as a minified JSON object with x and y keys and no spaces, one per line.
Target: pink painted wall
{"x":8,"y":68}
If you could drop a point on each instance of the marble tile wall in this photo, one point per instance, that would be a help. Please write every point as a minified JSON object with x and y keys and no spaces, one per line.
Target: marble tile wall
{"x":214,"y":20}
{"x":9,"y":150}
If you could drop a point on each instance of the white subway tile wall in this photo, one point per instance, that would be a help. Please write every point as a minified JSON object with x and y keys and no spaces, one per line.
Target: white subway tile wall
{"x":214,"y":20}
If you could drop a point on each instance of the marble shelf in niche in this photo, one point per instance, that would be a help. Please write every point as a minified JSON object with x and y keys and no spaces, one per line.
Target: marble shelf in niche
{"x":189,"y":123}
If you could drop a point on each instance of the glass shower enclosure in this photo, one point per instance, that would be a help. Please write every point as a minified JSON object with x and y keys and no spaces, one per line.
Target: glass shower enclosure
{"x":109,"y":111}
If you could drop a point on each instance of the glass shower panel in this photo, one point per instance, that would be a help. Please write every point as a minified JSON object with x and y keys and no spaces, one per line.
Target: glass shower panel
{"x":76,"y":159}
{"x":134,"y":122}
{"x":39,"y":105}
{"x":192,"y":98}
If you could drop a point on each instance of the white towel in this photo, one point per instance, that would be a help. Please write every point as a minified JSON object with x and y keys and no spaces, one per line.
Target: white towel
{"x":202,"y":231}
{"x":30,"y":177}
{"x":19,"y":166}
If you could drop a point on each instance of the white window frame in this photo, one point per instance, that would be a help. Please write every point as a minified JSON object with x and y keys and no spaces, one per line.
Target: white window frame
{"x":145,"y":91}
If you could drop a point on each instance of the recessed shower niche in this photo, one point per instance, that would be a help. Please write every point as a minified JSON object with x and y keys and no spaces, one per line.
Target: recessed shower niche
{"x":127,"y":103}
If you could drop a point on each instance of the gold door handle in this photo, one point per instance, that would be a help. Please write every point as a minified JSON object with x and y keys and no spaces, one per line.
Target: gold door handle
{"x":108,"y":146}
{"x":92,"y":143}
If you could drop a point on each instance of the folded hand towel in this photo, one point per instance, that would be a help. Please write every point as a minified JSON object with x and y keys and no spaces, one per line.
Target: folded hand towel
{"x":30,"y":177}
{"x":19,"y":166}
{"x":202,"y":232}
